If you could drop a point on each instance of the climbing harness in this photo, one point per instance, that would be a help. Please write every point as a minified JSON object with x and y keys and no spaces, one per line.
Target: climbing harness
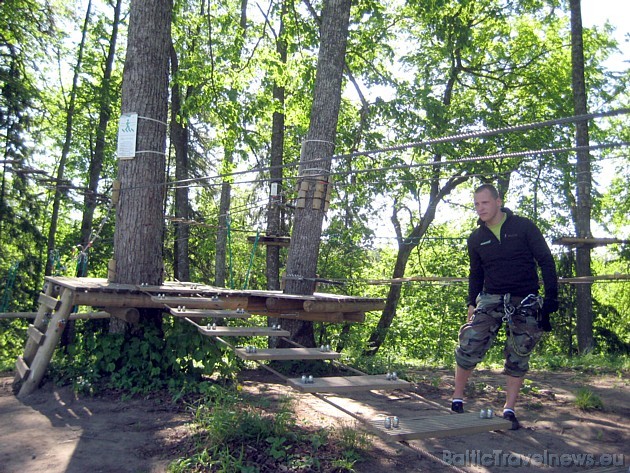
{"x":529,"y":306}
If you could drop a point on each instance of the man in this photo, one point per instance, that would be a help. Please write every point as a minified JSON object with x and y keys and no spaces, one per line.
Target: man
{"x":503,"y":287}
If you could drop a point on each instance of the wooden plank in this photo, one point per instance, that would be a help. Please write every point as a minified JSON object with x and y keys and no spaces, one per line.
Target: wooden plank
{"x":340,"y":306}
{"x":348,"y":384}
{"x":223,"y":331}
{"x":202,"y":313}
{"x":35,"y":334}
{"x":51,"y":302}
{"x":202,"y":302}
{"x":276,"y":304}
{"x":22,"y":368}
{"x":332,"y":317}
{"x":439,"y":426}
{"x":288,"y":354}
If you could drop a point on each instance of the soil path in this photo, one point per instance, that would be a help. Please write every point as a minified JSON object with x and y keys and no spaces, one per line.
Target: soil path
{"x":56,"y":431}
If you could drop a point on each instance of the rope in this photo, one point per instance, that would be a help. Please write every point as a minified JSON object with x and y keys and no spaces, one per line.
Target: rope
{"x":229,"y":240}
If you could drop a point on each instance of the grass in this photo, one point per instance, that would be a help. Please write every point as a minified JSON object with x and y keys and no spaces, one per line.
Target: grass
{"x":587,"y":400}
{"x":236,"y":433}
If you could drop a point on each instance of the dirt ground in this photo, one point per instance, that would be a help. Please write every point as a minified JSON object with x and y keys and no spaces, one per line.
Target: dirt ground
{"x":56,"y":431}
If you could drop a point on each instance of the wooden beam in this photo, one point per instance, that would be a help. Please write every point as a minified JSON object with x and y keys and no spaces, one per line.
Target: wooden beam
{"x":223,"y":331}
{"x":203,"y":313}
{"x":332,"y":317}
{"x":287,"y":354}
{"x":339,"y":306}
{"x":203,"y":302}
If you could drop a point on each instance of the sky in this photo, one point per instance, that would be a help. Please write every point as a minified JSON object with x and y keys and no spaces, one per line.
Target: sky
{"x":597,"y":12}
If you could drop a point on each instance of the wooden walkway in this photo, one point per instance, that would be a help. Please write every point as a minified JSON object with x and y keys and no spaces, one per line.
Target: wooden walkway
{"x":192,"y":302}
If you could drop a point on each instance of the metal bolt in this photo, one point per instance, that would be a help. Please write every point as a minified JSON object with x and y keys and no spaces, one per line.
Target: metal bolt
{"x":395,"y":422}
{"x":388,"y":422}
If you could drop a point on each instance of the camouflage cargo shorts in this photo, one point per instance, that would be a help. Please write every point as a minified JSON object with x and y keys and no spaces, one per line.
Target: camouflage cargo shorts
{"x":476,"y":337}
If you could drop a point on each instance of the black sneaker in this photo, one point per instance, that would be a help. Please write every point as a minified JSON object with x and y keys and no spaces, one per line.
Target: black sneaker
{"x":457,"y":406}
{"x":509,"y":415}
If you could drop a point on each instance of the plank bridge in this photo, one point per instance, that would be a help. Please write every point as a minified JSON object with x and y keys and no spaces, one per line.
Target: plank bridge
{"x":196,"y":303}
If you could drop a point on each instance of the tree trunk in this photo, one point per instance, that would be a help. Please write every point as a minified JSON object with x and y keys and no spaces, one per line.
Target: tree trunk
{"x":104,"y":115}
{"x":140,"y":218}
{"x":584,"y":180}
{"x":315,"y":160}
{"x":220,"y":261}
{"x":179,"y":141}
{"x":66,"y":142}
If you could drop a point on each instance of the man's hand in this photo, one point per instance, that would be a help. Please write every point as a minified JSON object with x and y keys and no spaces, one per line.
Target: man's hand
{"x":549,"y":306}
{"x":471,"y":313}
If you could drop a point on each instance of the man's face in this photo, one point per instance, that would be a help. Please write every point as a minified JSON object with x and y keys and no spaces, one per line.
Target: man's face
{"x":487,"y":207}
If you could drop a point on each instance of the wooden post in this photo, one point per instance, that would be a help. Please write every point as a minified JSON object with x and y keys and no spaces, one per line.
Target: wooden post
{"x":43,"y":356}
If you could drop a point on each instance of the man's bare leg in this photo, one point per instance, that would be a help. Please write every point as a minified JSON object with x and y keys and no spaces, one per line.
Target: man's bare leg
{"x":513,"y":387}
{"x":461,"y":378}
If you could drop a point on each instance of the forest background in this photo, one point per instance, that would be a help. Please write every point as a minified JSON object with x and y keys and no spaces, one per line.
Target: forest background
{"x":241,"y":84}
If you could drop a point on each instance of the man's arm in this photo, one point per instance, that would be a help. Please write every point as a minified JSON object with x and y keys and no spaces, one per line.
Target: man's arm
{"x":475,"y":276}
{"x":547,"y":265}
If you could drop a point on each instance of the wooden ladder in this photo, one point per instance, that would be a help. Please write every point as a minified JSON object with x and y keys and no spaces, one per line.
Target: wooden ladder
{"x":43,"y":337}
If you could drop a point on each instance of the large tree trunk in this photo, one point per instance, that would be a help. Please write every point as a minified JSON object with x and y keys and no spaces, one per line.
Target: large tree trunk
{"x":314,"y":161}
{"x":61,"y":168}
{"x":140,"y":219}
{"x":583,"y":210}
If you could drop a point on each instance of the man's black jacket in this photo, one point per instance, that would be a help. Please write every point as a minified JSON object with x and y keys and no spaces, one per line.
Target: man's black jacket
{"x":509,"y":265}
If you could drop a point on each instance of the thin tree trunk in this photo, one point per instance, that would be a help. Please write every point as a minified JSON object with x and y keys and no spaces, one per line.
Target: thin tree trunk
{"x":179,"y":141}
{"x":584,"y":184}
{"x":61,"y":169}
{"x":96,"y":163}
{"x":315,"y":160}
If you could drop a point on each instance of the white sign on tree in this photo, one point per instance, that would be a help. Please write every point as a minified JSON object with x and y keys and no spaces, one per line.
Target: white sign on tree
{"x":127,"y":129}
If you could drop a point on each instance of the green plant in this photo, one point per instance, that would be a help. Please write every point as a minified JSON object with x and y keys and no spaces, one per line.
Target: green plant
{"x":586,"y":400}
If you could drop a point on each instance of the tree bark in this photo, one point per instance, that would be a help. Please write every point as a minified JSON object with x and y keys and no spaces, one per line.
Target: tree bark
{"x":584,"y":184}
{"x":140,"y":219}
{"x":315,"y":163}
{"x":179,"y":141}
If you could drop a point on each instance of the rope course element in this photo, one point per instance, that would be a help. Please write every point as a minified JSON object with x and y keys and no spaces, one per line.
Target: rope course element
{"x":418,"y":144}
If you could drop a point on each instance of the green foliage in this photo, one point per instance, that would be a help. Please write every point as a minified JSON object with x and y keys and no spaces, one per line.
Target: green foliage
{"x":587,"y":400}
{"x":175,"y":359}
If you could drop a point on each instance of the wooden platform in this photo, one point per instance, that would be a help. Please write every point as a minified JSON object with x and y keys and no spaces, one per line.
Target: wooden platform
{"x":445,"y":425}
{"x":223,"y":331}
{"x":287,"y":354}
{"x":320,"y":307}
{"x":348,"y":384}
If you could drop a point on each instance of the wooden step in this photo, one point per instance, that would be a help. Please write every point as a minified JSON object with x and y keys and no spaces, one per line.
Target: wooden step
{"x":202,"y":302}
{"x":36,"y":335}
{"x":216,"y":313}
{"x":51,"y":302}
{"x":287,"y":354}
{"x":223,"y":331}
{"x":22,"y":368}
{"x":443,"y":425}
{"x":347,"y":384}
